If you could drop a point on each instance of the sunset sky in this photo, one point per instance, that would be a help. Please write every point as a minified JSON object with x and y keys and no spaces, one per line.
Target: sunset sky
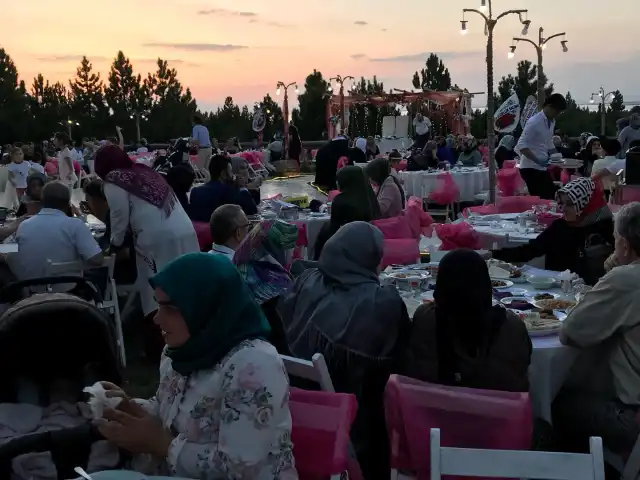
{"x":243,"y":47}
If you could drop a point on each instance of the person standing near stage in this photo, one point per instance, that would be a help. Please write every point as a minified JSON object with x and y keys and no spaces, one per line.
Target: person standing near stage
{"x":534,"y":145}
{"x":200,"y":138}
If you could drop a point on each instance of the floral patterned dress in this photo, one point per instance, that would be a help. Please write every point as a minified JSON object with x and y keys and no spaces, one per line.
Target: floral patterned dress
{"x":232,"y":422}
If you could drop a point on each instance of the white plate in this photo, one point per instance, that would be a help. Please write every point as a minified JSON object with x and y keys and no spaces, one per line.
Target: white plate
{"x":507,"y":301}
{"x":410,"y":275}
{"x":540,"y":305}
{"x":507,"y":283}
{"x":519,"y":292}
{"x":555,"y":295}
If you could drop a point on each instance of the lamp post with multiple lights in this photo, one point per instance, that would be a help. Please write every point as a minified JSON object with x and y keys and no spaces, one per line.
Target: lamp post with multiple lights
{"x":489,"y":24}
{"x":540,"y":46}
{"x":285,"y":107}
{"x":603,"y":108}
{"x":70,"y":124}
{"x":138,"y":116}
{"x":340,"y":80}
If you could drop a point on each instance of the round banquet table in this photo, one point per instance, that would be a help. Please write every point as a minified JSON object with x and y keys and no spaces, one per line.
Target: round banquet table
{"x":550,"y":361}
{"x":470,"y":181}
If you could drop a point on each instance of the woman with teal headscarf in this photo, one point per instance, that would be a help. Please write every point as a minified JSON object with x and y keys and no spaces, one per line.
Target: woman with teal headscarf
{"x":222,"y":402}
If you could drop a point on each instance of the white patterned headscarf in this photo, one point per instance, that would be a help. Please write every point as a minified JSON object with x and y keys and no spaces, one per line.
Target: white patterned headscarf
{"x":580,"y":191}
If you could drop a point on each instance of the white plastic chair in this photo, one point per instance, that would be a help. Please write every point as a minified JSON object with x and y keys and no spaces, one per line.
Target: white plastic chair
{"x":315,"y":370}
{"x":110,"y":300}
{"x":470,"y":462}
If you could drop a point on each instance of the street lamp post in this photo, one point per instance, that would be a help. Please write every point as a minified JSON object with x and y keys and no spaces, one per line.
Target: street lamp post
{"x":285,"y":108}
{"x":489,"y":24}
{"x":70,"y":124}
{"x":603,"y":108}
{"x":540,"y":46}
{"x":137,"y":116}
{"x":340,"y":80}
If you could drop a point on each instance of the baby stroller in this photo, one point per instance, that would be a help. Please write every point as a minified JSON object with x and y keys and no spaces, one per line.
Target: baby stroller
{"x":52,"y":345}
{"x":175,"y":156}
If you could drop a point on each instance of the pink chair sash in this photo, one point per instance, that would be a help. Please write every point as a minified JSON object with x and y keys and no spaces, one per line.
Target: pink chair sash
{"x":446,"y":192}
{"x":509,"y":181}
{"x":509,"y":164}
{"x":467,"y":418}
{"x":400,"y":251}
{"x":203,"y":232}
{"x":321,"y":422}
{"x":395,"y":227}
{"x":457,"y":235}
{"x":332,"y":194}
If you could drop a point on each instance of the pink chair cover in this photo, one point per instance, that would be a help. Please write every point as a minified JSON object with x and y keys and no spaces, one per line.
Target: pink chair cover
{"x":342,"y":162}
{"x":203,"y":232}
{"x":520,"y":204}
{"x":509,"y":164}
{"x":332,"y":194}
{"x":466,"y":417}
{"x":508,"y":181}
{"x":457,"y":235}
{"x":400,"y":251}
{"x":321,"y":422}
{"x":395,"y":227}
{"x":401,"y":166}
{"x":446,"y":192}
{"x":419,"y":220}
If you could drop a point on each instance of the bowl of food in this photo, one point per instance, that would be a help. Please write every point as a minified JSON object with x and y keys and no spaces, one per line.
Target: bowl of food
{"x":517,"y":303}
{"x":545,"y":296}
{"x":499,"y":283}
{"x":517,"y":276}
{"x":408,"y":278}
{"x":541,"y":283}
{"x":555,"y":304}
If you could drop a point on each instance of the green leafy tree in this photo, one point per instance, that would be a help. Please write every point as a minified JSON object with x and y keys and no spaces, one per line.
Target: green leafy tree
{"x":124,"y":94}
{"x":524,"y":83}
{"x":617,"y":103}
{"x":310,"y":116}
{"x":15,"y":116}
{"x":435,"y":76}
{"x":87,"y":99}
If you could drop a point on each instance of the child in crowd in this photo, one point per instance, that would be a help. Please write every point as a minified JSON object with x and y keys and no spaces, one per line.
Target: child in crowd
{"x":18,"y":170}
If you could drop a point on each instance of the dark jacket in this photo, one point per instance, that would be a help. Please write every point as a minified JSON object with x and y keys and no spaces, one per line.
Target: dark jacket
{"x":502,"y":154}
{"x":206,"y":198}
{"x":562,"y":245}
{"x":504,"y":368}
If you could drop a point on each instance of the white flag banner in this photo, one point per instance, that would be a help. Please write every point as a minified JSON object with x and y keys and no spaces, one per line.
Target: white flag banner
{"x":529,"y":110}
{"x":508,"y":115}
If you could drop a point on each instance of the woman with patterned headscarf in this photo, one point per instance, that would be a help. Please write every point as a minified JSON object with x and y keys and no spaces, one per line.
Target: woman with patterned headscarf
{"x":470,"y":156}
{"x":586,"y":228}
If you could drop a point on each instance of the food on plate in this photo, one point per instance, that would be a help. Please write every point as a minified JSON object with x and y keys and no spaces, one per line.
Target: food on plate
{"x":402,"y":275}
{"x":498,"y":284}
{"x":544,"y":296}
{"x":543,"y":322}
{"x":516,"y":273}
{"x":545,"y":314}
{"x":556,"y":304}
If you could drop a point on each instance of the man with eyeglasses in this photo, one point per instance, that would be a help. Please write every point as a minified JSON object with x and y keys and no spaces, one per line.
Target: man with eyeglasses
{"x":229,"y":225}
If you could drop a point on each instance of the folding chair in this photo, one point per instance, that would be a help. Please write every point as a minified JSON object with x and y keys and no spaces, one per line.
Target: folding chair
{"x":315,"y":370}
{"x":110,"y":300}
{"x":470,"y":462}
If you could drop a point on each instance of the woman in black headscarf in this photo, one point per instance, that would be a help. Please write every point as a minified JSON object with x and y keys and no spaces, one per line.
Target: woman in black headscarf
{"x":327,"y":162}
{"x":461,"y":339}
{"x":295,"y":145}
{"x":181,"y":178}
{"x":356,"y":202}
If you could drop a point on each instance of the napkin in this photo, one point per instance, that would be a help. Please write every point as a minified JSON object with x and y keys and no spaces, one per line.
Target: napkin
{"x":497,"y":272}
{"x":99,"y":400}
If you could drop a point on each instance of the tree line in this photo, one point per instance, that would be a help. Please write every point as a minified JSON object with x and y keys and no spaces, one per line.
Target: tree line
{"x":162,"y":107}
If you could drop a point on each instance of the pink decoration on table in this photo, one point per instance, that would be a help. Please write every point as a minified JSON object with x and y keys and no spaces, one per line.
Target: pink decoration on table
{"x":342,"y":162}
{"x":394,"y":227}
{"x":400,"y":251}
{"x":457,"y":235}
{"x":467,"y":418}
{"x":446,"y":192}
{"x":520,"y":204}
{"x":277,"y":196}
{"x":203,"y":232}
{"x":509,"y":164}
{"x":321,"y":422}
{"x":419,"y":220}
{"x":508,"y":181}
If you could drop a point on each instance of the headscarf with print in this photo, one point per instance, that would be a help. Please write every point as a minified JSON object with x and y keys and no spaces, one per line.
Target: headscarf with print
{"x":588,"y":199}
{"x":216,"y":305}
{"x":261,"y":256}
{"x":508,"y":142}
{"x":113,"y":165}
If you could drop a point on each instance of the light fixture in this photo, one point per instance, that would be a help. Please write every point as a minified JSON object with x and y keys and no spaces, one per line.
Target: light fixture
{"x":512,"y":51}
{"x":601,"y":94}
{"x":297,"y":90}
{"x":329,"y":89}
{"x":110,"y":112}
{"x":544,"y":45}
{"x":483,"y":5}
{"x":70,"y":122}
{"x":591,"y":100}
{"x":78,"y":124}
{"x":131,"y":117}
{"x":525,"y":29}
{"x":278,"y":91}
{"x":39,"y":98}
{"x":565,"y":49}
{"x":463,"y":27}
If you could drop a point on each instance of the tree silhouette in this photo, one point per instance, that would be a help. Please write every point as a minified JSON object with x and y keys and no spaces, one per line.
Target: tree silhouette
{"x":87,"y":97}
{"x":525,"y":83}
{"x":310,"y":116}
{"x":435,"y":76}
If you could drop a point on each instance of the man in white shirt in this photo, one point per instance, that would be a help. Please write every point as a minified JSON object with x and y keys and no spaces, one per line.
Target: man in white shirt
{"x":229,"y":226}
{"x":421,"y":125}
{"x":53,"y":235}
{"x":200,"y":138}
{"x":534,"y":146}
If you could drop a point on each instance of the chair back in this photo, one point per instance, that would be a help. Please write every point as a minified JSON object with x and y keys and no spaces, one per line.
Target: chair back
{"x":508,"y":181}
{"x":446,"y":191}
{"x":332,"y":194}
{"x":315,"y":370}
{"x":469,"y":418}
{"x":395,"y":227}
{"x":203,"y":232}
{"x":515,"y":463}
{"x":509,"y":164}
{"x":400,"y":251}
{"x":321,"y":422}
